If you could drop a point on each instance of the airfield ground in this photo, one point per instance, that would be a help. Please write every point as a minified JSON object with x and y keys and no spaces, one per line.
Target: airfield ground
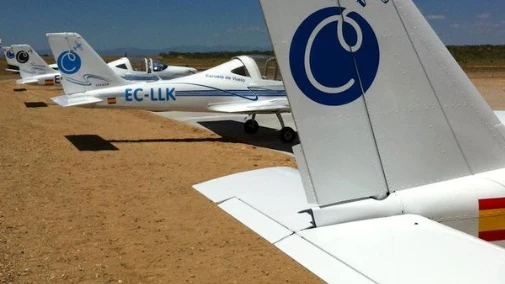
{"x":104,"y":196}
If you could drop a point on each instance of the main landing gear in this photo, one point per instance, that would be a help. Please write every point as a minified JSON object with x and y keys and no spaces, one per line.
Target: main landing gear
{"x":286,"y":134}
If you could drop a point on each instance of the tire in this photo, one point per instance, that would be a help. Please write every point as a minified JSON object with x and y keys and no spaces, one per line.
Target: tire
{"x":287,"y":135}
{"x":251,"y":126}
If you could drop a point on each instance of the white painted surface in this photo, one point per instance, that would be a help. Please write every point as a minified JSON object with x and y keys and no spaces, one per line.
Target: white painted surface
{"x":276,"y":192}
{"x":322,"y":264}
{"x":255,"y":220}
{"x":411,"y":249}
{"x":337,"y":141}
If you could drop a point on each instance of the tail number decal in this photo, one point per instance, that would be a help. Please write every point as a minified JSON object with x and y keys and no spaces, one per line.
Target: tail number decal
{"x":324,"y":64}
{"x":154,"y":94}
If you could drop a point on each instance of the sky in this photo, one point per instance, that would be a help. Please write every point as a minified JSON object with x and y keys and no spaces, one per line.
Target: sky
{"x":160,"y":24}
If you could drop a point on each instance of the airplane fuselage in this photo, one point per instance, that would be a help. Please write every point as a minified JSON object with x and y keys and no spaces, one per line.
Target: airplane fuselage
{"x":42,"y":80}
{"x":185,"y":95}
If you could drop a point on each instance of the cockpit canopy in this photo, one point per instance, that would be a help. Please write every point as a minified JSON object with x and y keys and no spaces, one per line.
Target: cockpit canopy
{"x":158,"y":65}
{"x":258,"y":67}
{"x":146,"y":65}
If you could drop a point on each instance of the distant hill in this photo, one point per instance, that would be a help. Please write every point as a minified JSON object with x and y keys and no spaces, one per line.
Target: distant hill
{"x":179,"y":49}
{"x":479,"y":54}
{"x":466,"y":55}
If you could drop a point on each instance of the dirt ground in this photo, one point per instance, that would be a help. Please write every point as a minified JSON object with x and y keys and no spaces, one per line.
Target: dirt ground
{"x":124,"y":211}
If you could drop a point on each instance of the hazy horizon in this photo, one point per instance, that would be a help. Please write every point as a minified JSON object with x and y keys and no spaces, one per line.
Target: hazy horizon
{"x":211,"y":25}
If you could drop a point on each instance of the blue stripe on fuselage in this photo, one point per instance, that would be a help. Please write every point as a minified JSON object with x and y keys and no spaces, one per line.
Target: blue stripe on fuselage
{"x":252,"y":95}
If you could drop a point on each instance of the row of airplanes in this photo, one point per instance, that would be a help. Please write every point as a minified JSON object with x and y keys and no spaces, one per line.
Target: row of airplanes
{"x":401,"y":162}
{"x":239,"y":86}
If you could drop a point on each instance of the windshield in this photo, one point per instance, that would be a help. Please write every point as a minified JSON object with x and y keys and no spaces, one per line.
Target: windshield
{"x":159,"y":66}
{"x":242,"y":71}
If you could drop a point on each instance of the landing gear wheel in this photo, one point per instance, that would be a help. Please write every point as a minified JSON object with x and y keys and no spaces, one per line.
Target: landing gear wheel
{"x":287,"y":135}
{"x":251,"y":126}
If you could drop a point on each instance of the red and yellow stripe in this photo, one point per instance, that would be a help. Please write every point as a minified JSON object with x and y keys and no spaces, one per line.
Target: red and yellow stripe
{"x":49,"y":82}
{"x":492,"y":219}
{"x":111,"y":101}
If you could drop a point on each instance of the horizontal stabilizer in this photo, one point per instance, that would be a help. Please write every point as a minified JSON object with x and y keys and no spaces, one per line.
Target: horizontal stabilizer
{"x":399,"y":249}
{"x":75,"y":100}
{"x":275,"y":192}
{"x":258,"y":107}
{"x":27,"y":81}
{"x":410,"y":249}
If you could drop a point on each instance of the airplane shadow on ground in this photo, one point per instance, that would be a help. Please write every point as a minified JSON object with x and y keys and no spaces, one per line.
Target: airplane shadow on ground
{"x":90,"y":142}
{"x":231,"y":132}
{"x":35,"y":104}
{"x":266,"y":137}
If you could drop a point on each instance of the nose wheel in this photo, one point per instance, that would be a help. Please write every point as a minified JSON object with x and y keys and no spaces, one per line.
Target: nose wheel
{"x":251,"y":126}
{"x":287,"y":134}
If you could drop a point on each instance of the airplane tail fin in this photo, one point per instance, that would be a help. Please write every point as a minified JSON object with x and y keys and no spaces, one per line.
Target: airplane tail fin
{"x":391,"y":107}
{"x":29,"y":61}
{"x":82,"y":69}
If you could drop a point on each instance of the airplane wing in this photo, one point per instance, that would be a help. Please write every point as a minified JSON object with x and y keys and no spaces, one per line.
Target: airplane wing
{"x":75,"y":100}
{"x":399,"y":249}
{"x":253,"y":107}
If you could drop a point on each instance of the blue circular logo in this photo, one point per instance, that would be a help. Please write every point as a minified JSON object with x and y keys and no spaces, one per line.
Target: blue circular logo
{"x":69,"y":62}
{"x":10,"y":54}
{"x":327,"y":50}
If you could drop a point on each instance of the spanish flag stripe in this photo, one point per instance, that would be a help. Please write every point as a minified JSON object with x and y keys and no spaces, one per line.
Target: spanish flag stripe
{"x":495,"y":203}
{"x":491,"y":213}
{"x":496,"y":223}
{"x":492,"y":236}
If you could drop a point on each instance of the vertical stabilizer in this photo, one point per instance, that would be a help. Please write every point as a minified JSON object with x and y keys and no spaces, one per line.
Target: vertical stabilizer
{"x":379,"y":103}
{"x":82,"y":69}
{"x":29,"y":61}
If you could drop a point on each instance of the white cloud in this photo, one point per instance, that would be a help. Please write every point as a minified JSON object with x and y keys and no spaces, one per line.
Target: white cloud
{"x":435,"y":17}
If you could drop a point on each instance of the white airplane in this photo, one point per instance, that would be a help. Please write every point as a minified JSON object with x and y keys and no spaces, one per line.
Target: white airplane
{"x":34,"y":70}
{"x":401,"y":166}
{"x":10,"y":57}
{"x":149,"y":70}
{"x":237,"y":86}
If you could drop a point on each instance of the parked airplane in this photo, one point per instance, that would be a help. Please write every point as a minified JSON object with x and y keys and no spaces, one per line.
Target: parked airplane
{"x":236,"y":87}
{"x":401,"y":162}
{"x":149,"y":70}
{"x":32,"y":68}
{"x":36,"y":71}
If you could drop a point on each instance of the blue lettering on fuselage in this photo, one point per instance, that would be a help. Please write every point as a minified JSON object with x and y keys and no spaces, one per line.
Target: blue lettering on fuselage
{"x":136,"y":95}
{"x":154,"y":94}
